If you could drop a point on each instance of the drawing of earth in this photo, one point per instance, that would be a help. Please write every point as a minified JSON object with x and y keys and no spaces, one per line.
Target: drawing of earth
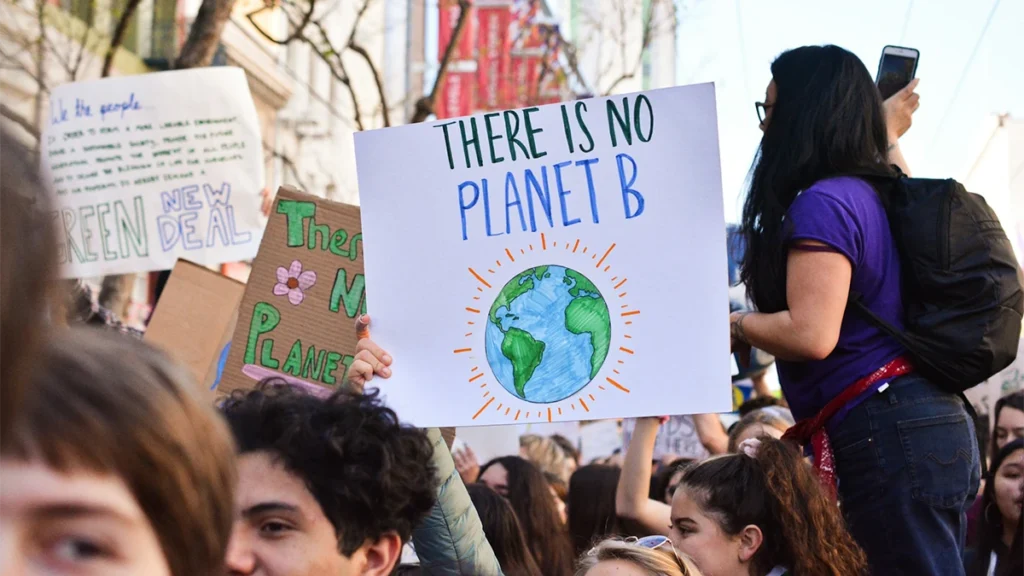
{"x":548,"y":333}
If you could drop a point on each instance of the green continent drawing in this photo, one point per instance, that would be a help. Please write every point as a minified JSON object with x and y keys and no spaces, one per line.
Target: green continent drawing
{"x":525,"y":353}
{"x":548,"y":333}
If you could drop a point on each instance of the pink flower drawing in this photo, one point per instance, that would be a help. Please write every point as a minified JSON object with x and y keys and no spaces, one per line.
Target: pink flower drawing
{"x":293,"y":282}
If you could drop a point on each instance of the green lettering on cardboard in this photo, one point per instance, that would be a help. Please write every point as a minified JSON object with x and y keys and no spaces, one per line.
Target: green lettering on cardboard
{"x":267,"y":355}
{"x":314,"y":364}
{"x":329,"y":367}
{"x":293,"y":364}
{"x":337,"y":241}
{"x":350,"y":295}
{"x":295,"y":211}
{"x":264,"y":319}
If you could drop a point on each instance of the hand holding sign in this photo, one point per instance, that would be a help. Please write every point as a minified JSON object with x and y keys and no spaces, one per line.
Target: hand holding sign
{"x":370,"y":359}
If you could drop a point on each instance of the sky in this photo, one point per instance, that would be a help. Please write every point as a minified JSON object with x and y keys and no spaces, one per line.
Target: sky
{"x":733,"y":42}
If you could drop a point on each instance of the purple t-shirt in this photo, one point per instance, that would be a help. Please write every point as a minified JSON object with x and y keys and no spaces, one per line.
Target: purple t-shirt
{"x":846,"y":215}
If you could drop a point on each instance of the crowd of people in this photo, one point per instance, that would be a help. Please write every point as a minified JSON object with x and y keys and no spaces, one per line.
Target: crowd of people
{"x":114,"y":462}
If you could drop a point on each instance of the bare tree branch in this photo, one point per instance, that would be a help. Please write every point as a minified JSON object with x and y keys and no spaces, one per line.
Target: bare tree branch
{"x":19,"y":120}
{"x":118,"y":37}
{"x":204,"y":35}
{"x":425,"y":105}
{"x":649,"y":33}
{"x":378,"y":80}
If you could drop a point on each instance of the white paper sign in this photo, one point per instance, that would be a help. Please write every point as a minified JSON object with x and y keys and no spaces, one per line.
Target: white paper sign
{"x":154,"y":167}
{"x":677,"y":438}
{"x":985,"y":395}
{"x":550,"y":264}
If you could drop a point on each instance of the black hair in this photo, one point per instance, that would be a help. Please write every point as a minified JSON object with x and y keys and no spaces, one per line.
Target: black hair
{"x":592,"y":515}
{"x":827,"y":120}
{"x":370,"y":474}
{"x":779,"y":493}
{"x":758,"y":403}
{"x":990,"y":525}
{"x":503,"y":531}
{"x":1012,"y":400}
{"x":663,"y":479}
{"x":531,"y":498}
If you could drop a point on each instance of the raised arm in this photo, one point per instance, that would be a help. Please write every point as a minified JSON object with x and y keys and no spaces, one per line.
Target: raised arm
{"x":632,"y":496}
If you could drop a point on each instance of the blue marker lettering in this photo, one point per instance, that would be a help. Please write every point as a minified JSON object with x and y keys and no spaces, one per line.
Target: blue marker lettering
{"x":462,"y":202}
{"x":510,"y":185}
{"x":590,"y":184}
{"x":627,"y":187}
{"x":562,"y":193}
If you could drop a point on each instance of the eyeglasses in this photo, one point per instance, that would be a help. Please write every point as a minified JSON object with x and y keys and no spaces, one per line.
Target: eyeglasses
{"x":762,"y":110}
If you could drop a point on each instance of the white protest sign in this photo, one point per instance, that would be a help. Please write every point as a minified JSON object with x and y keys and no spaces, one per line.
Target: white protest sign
{"x":677,"y":438}
{"x":154,"y":167}
{"x":985,"y":395}
{"x":558,"y":263}
{"x":490,"y":442}
{"x":600,"y":439}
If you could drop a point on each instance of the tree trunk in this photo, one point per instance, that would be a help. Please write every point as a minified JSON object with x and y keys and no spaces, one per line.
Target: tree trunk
{"x":204,"y":36}
{"x":118,"y":37}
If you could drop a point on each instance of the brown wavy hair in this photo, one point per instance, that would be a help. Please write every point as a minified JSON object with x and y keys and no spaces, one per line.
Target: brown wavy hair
{"x":777,"y":492}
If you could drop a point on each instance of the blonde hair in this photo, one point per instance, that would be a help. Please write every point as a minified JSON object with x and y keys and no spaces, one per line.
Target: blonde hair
{"x":662,"y":561}
{"x":547,"y":455}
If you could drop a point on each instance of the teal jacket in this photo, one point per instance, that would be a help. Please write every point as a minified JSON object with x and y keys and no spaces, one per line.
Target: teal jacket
{"x":451,"y":540}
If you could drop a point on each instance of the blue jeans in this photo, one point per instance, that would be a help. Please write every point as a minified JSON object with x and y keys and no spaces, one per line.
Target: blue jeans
{"x":908,"y":468}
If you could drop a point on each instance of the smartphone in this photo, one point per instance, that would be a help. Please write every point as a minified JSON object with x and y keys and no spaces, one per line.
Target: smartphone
{"x":896,"y":69}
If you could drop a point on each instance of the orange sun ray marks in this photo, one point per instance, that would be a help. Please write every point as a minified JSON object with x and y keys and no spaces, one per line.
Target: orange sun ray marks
{"x":522,"y":251}
{"x":473,"y":310}
{"x":591,"y":397}
{"x":461,"y":350}
{"x":507,"y":410}
{"x":509,"y":254}
{"x":584,"y":249}
{"x":482,"y":408}
{"x":468,"y":334}
{"x":619,"y":285}
{"x":631,"y":313}
{"x":549,"y":414}
{"x":527,"y":415}
{"x":614,"y":278}
{"x":477,"y":377}
{"x":616,"y":371}
{"x":606,"y":253}
{"x":484,"y":385}
{"x":623,"y":295}
{"x":486,"y":393}
{"x":617,"y":385}
{"x":602,"y":388}
{"x":490,"y":270}
{"x":498,"y":263}
{"x":474,"y":368}
{"x":531,"y":247}
{"x":498,"y":409}
{"x":593,"y":257}
{"x":573,"y":405}
{"x":559,"y":411}
{"x":479,"y":289}
{"x":543,"y":242}
{"x":480,"y":278}
{"x":584,"y":404}
{"x":517,"y":414}
{"x":622,"y":361}
{"x":555,"y":244}
{"x":624,"y":306}
{"x":471,"y":323}
{"x":629,"y":322}
{"x":626,"y":350}
{"x":608,"y":267}
{"x":576,"y":246}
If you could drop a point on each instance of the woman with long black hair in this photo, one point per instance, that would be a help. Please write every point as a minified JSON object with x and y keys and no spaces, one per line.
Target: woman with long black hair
{"x":903,"y":450}
{"x":1001,"y":514}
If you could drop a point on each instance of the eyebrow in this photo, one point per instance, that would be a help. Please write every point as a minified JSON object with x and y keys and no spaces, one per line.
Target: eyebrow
{"x":266,"y":507}
{"x":684,"y":519}
{"x":73,"y":510}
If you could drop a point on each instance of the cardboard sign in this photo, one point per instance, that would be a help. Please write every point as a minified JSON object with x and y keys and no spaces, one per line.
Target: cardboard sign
{"x":153,"y":167}
{"x":677,"y":438}
{"x":195,"y":318}
{"x":551,"y":264}
{"x":297,"y":318}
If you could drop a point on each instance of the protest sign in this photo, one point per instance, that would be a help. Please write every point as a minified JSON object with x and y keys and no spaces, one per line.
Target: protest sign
{"x":150,"y":168}
{"x":490,"y":442}
{"x":195,"y":318}
{"x":600,"y":439}
{"x":554,"y":263}
{"x":677,"y":438}
{"x":297,"y":318}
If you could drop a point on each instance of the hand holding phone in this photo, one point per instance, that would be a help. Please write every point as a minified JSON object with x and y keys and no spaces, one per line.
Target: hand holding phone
{"x":896,"y":69}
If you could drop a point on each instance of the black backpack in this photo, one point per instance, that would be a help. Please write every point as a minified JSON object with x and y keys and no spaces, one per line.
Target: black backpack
{"x":962,"y":287}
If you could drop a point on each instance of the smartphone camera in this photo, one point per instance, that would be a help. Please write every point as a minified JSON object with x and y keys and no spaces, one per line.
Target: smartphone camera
{"x":896,"y":69}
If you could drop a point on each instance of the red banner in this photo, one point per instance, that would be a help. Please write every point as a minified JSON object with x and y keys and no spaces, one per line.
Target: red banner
{"x":457,"y":91}
{"x":493,"y":56}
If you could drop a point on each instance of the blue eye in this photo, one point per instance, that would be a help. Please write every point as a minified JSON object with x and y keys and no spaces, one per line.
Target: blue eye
{"x":74,"y":549}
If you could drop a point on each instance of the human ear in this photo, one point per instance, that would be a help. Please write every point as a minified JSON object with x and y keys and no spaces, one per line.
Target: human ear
{"x":382,"y":555}
{"x":750,"y":541}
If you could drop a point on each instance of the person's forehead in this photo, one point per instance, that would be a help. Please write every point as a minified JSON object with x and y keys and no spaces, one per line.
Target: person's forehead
{"x":31,"y":486}
{"x":1010,"y":417}
{"x":262,"y":478}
